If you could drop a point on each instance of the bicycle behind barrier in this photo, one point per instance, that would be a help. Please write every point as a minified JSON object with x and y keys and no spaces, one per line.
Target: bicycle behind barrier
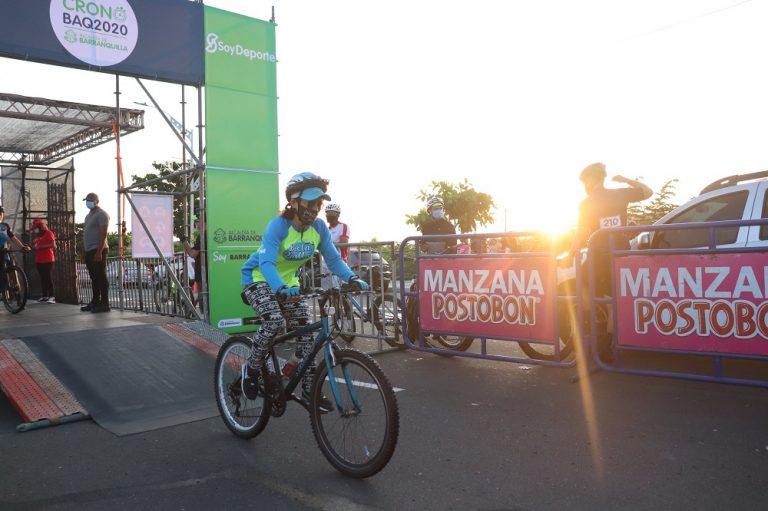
{"x":358,"y":437}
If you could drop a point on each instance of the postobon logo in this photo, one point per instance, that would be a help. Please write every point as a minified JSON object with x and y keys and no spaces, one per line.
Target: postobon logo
{"x":214,"y":45}
{"x":100,"y":33}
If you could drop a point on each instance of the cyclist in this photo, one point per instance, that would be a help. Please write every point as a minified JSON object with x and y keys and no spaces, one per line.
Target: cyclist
{"x":6,"y":235}
{"x":339,"y":230}
{"x":603,"y":208}
{"x":437,"y":224}
{"x":289,"y":241}
{"x":339,"y":235}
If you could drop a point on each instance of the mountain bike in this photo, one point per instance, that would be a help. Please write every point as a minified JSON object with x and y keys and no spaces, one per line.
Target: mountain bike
{"x":432,"y":340}
{"x":358,"y":437}
{"x":16,"y":285}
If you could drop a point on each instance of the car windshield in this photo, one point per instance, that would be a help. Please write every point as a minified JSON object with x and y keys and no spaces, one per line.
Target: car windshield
{"x":366,"y":258}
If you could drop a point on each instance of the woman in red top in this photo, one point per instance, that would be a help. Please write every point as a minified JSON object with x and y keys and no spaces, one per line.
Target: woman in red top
{"x":44,"y":243}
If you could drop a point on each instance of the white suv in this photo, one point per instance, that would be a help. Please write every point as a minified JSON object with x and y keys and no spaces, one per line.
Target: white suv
{"x":740,"y":197}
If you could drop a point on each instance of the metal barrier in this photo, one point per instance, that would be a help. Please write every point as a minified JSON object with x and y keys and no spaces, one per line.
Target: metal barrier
{"x":487,"y":296}
{"x":672,"y":308}
{"x":145,"y":285}
{"x":375,"y":316}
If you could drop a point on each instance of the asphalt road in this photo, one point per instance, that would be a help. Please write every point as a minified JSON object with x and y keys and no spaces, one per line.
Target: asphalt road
{"x":473,"y":435}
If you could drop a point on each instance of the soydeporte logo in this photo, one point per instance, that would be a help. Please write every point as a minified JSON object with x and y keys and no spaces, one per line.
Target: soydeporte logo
{"x":100,"y":33}
{"x":216,"y":45}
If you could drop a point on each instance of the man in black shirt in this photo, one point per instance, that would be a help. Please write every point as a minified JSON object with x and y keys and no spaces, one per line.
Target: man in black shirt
{"x":604,"y":208}
{"x":437,"y":224}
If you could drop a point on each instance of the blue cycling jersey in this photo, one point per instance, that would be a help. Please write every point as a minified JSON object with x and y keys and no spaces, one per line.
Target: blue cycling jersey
{"x":5,"y":235}
{"x":284,"y":249}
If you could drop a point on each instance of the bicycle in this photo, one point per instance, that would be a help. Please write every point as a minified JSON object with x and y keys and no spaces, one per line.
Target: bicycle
{"x":449,"y":342}
{"x":16,"y":285}
{"x":382,"y":312}
{"x":358,"y":437}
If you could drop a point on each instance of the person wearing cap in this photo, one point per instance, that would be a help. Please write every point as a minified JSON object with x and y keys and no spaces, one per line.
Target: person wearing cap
{"x":437,"y":224}
{"x":340,"y":236}
{"x":6,"y":236}
{"x":270,"y":280}
{"x":604,"y":208}
{"x":96,"y":249}
{"x":44,"y":245}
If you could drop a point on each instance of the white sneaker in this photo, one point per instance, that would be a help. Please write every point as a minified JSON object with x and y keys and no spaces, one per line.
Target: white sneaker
{"x":42,"y":299}
{"x":51,"y":300}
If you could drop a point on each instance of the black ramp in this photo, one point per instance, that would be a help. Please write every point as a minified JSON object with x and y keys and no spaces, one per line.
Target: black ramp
{"x":131,"y":379}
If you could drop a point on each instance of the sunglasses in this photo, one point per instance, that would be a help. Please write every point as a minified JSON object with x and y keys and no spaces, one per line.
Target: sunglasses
{"x":315,"y":204}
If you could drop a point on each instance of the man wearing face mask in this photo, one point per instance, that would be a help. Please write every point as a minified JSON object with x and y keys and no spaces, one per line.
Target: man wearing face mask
{"x":96,"y":250}
{"x":437,"y":224}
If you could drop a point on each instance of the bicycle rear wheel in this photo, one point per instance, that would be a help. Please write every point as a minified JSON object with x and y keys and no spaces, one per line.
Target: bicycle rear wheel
{"x":244,"y":417}
{"x":388,"y":325}
{"x":359,"y":437}
{"x":15,"y":296}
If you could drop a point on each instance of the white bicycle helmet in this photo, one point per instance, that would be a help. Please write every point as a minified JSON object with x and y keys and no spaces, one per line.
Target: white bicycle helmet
{"x":433,"y":202}
{"x":333,"y":208}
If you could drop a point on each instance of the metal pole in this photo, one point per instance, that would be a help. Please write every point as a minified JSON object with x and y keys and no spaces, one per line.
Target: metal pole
{"x":120,"y":291}
{"x":203,"y":293}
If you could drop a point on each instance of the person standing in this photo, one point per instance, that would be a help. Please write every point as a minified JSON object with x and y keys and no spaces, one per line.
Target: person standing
{"x":339,"y":236}
{"x":96,"y":250}
{"x":604,"y":208}
{"x":44,"y":245}
{"x":196,"y":253}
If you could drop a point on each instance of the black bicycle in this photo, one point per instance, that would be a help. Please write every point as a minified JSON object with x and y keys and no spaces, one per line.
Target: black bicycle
{"x":16,"y":285}
{"x":358,"y":437}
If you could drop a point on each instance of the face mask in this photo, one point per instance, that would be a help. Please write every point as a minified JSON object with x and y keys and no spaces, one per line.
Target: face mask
{"x":438,"y":213}
{"x":306,"y":215}
{"x":89,"y":204}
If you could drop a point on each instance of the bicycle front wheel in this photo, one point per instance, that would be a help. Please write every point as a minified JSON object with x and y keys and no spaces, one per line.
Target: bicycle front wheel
{"x":566,"y":337}
{"x":15,"y":296}
{"x":243,"y":405}
{"x":359,"y":436}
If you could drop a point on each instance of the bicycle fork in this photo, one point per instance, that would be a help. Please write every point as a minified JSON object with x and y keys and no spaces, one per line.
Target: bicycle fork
{"x":331,"y":363}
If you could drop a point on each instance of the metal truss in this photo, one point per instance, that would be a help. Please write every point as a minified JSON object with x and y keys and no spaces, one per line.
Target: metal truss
{"x":88,"y":126}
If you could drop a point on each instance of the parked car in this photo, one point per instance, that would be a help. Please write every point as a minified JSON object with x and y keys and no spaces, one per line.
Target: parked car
{"x":135,"y":272}
{"x":369,"y":266}
{"x":738,"y":197}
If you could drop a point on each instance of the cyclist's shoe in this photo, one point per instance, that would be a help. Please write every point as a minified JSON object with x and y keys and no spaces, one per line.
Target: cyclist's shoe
{"x":325,"y":403}
{"x":249,"y":382}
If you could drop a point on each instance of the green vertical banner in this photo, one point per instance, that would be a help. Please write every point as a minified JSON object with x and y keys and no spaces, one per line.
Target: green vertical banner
{"x":241,"y":154}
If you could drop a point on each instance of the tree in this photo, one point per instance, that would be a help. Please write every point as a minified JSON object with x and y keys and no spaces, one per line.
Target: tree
{"x":464,"y":206}
{"x":168,"y":184}
{"x":659,"y":206}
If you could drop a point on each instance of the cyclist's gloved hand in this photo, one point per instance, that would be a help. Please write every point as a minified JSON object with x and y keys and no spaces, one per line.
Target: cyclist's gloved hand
{"x":358,"y":284}
{"x":289,"y":292}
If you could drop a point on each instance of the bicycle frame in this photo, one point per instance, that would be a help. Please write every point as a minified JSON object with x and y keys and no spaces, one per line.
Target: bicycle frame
{"x":323,"y":340}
